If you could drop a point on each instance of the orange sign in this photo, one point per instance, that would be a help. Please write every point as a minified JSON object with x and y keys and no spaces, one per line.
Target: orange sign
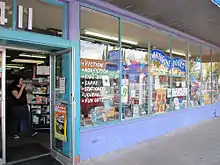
{"x":96,"y":64}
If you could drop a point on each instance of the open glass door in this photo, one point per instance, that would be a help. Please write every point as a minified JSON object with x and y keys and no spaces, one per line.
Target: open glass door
{"x":62,"y":106}
{"x":2,"y":108}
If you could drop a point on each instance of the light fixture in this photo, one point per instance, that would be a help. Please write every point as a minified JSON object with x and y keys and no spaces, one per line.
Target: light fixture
{"x":177,"y":53}
{"x":32,"y":56}
{"x":14,"y":67}
{"x":91,"y":33}
{"x":28,"y":61}
{"x":8,"y":56}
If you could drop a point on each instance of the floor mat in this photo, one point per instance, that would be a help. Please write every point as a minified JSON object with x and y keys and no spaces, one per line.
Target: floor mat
{"x":25,"y":151}
{"x":45,"y":160}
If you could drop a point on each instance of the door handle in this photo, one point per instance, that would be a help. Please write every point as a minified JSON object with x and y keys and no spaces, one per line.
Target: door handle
{"x":65,"y":103}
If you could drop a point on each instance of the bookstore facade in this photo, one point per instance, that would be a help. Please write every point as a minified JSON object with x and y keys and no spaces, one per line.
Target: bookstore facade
{"x":140,"y":80}
{"x":100,"y":78}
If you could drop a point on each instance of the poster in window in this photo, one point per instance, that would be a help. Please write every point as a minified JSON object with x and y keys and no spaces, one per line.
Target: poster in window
{"x":160,"y":100}
{"x":124,"y":91}
{"x":60,"y":123}
{"x":105,"y":81}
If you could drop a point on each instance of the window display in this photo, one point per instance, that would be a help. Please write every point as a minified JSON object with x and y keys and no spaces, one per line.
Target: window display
{"x":160,"y":75}
{"x":135,"y":83}
{"x":194,"y":81}
{"x":215,"y":77}
{"x":148,"y":72}
{"x":206,"y":77}
{"x":215,"y":82}
{"x":99,"y":85}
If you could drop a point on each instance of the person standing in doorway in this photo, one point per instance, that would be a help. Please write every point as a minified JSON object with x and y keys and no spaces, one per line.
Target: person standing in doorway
{"x":19,"y":109}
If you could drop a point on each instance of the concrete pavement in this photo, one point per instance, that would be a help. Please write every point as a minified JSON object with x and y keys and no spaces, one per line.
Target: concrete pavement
{"x":196,"y":145}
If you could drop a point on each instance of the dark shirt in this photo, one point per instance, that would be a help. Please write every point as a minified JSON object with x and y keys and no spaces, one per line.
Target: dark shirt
{"x":22,"y":100}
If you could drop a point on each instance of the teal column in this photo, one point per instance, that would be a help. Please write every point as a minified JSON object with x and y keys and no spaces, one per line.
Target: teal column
{"x":201,"y":79}
{"x":171,"y":73}
{"x":67,"y":73}
{"x":14,"y":14}
{"x":120,"y":67}
{"x":211,"y":76}
{"x":188,"y":76}
{"x":150,"y":86}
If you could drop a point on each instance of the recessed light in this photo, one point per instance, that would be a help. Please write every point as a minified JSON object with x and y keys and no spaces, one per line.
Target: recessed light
{"x":28,"y":61}
{"x":32,"y":56}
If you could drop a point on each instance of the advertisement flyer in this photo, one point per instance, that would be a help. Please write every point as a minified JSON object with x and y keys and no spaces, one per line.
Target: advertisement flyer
{"x":124,"y":91}
{"x":160,"y":100}
{"x":60,"y":123}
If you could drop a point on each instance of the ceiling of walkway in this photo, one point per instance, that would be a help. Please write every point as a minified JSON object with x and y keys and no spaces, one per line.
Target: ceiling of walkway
{"x":199,"y":18}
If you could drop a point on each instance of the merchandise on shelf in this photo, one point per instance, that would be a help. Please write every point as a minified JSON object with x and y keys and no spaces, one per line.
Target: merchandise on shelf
{"x":38,"y":100}
{"x":99,"y":91}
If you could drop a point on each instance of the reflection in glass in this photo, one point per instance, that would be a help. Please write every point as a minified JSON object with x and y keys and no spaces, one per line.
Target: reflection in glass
{"x":135,"y":73}
{"x":62,"y":110}
{"x":99,"y":83}
{"x":100,"y":63}
{"x":161,"y":100}
{"x":215,"y":77}
{"x":179,"y":73}
{"x":206,"y":77}
{"x":46,"y":18}
{"x":8,"y":13}
{"x":195,"y":67}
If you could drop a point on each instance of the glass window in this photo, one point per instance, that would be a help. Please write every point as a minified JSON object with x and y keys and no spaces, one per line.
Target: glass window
{"x":100,"y":85}
{"x":6,"y":8}
{"x":135,"y":70}
{"x":215,"y":76}
{"x":206,"y":76}
{"x":179,"y":73}
{"x":160,"y":82}
{"x":40,"y":17}
{"x":195,"y":66}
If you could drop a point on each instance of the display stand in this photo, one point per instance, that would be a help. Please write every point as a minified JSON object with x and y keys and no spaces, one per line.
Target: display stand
{"x":38,"y":101}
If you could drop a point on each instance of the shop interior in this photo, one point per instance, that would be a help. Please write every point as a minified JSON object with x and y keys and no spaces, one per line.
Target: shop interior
{"x":34,"y":67}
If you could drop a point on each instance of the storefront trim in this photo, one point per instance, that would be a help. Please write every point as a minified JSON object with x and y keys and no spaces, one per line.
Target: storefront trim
{"x":8,"y":35}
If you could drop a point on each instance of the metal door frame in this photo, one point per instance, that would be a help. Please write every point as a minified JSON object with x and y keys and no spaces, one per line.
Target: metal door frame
{"x":3,"y":107}
{"x":57,"y":155}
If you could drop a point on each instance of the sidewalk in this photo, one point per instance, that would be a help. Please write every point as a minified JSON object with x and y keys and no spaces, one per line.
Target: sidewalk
{"x":196,"y":145}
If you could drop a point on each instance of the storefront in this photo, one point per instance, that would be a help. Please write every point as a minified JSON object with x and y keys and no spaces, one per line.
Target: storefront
{"x":30,"y":35}
{"x":140,"y":80}
{"x":124,"y":78}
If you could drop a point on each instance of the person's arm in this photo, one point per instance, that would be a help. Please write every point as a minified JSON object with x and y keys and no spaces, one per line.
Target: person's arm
{"x":17,"y":94}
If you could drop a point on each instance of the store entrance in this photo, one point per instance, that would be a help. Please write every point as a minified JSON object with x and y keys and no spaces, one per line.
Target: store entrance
{"x":48,"y":89}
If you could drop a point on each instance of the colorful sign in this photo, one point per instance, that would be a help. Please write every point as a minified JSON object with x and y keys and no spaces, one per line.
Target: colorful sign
{"x":216,"y":2}
{"x":135,"y":68}
{"x":113,"y":60}
{"x":92,"y":64}
{"x":60,"y":123}
{"x":161,"y":57}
